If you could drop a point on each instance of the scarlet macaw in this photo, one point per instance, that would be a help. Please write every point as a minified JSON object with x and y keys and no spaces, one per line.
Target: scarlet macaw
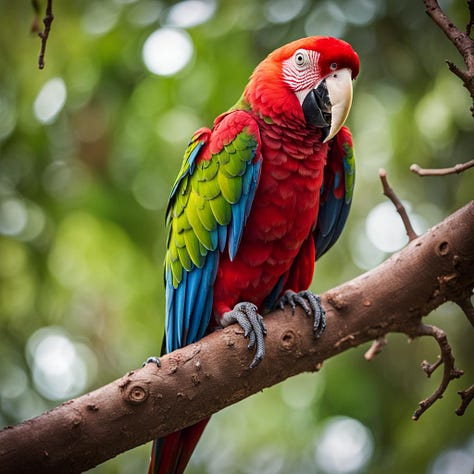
{"x":259,"y":197}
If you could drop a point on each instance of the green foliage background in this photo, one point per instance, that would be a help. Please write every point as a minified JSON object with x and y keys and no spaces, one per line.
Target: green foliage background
{"x":82,"y":203}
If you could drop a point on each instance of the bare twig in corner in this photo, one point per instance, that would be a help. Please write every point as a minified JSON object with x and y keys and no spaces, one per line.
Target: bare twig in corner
{"x":375,"y":348}
{"x":460,"y":39}
{"x":389,"y":192}
{"x":47,"y":20}
{"x":459,"y":168}
{"x":450,"y":372}
{"x":466,"y":398}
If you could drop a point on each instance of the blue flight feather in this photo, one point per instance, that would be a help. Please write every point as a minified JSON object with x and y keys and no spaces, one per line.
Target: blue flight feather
{"x":333,"y":211}
{"x":253,"y":181}
{"x":199,"y":303}
{"x":194,"y":286}
{"x":222,"y":231}
{"x":236,"y":226}
{"x":180,"y":299}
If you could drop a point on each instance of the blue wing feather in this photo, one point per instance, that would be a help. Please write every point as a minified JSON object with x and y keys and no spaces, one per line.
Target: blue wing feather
{"x":222,"y":231}
{"x":336,"y":193}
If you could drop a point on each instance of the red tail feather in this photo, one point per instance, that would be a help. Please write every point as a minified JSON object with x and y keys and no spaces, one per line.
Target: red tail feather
{"x":170,"y":455}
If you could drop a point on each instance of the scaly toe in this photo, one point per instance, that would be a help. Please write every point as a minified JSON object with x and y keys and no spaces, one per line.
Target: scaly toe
{"x":246,"y":315}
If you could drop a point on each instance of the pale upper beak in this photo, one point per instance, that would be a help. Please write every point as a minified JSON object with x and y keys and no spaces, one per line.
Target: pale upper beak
{"x":328,"y":104}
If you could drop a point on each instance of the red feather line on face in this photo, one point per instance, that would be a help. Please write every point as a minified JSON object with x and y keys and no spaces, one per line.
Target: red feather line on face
{"x":301,"y":79}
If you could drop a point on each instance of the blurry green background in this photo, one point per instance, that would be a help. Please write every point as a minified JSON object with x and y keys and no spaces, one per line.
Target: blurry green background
{"x":89,"y":148}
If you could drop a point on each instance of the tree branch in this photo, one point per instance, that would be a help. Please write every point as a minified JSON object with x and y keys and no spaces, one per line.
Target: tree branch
{"x":390,"y":193}
{"x":459,"y":168}
{"x":450,"y":372}
{"x":200,"y":379}
{"x":466,"y":398}
{"x":460,"y":39}
{"x":44,"y":35}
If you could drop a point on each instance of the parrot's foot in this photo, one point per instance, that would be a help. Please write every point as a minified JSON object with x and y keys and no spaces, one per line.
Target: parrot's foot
{"x":311,"y":305}
{"x":152,"y":360}
{"x":246,"y":315}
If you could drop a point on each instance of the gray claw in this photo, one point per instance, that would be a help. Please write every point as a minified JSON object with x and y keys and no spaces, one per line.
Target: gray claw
{"x":246,"y":315}
{"x":311,"y":305}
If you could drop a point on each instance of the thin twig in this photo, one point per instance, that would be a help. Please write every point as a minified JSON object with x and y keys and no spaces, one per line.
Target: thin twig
{"x":459,"y":168}
{"x":47,"y":20}
{"x":450,"y":372}
{"x":389,"y":192}
{"x":466,"y":398}
{"x":460,"y":39}
{"x":375,"y":348}
{"x":430,"y":368}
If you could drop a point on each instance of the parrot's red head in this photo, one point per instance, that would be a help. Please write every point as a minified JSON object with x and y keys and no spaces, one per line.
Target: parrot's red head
{"x":307,"y":82}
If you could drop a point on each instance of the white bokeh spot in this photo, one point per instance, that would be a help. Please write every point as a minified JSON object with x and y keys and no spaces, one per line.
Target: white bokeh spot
{"x":59,"y":365}
{"x":344,"y":447}
{"x":50,"y":100}
{"x":385,"y":229}
{"x":190,"y":13}
{"x":167,"y":51}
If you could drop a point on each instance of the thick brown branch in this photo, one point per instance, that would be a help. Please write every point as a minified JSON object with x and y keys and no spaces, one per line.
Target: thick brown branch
{"x":450,"y":372}
{"x":200,"y":379}
{"x":390,"y":193}
{"x":459,"y":168}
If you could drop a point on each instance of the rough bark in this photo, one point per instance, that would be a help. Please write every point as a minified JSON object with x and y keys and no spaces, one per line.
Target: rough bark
{"x":200,"y":379}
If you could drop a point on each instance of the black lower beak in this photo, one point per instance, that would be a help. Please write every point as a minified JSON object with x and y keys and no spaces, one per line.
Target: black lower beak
{"x":317,"y":108}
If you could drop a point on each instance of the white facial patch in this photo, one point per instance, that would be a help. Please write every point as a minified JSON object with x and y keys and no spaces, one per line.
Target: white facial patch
{"x":301,"y":77}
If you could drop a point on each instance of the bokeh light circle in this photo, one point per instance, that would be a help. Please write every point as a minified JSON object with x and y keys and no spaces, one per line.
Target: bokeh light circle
{"x":344,"y":447}
{"x":60,"y":367}
{"x":50,"y":100}
{"x":167,"y":51}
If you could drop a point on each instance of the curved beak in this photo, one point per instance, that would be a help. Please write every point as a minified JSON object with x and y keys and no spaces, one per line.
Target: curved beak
{"x":339,"y":85}
{"x":328,"y":105}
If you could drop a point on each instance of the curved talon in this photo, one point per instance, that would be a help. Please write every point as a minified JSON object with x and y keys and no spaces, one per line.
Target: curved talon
{"x":246,"y":315}
{"x":311,"y":305}
{"x":152,"y":360}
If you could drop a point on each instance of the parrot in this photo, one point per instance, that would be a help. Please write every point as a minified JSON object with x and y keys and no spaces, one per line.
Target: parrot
{"x":259,"y":197}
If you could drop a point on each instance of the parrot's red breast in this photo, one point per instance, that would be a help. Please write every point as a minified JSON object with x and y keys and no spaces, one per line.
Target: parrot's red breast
{"x":290,"y":183}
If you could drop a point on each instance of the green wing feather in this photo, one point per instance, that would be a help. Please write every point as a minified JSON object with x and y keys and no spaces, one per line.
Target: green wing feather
{"x":203,"y":197}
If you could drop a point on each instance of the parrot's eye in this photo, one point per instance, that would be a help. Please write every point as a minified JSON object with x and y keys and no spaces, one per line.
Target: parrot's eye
{"x":333,"y":66}
{"x":301,"y":59}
